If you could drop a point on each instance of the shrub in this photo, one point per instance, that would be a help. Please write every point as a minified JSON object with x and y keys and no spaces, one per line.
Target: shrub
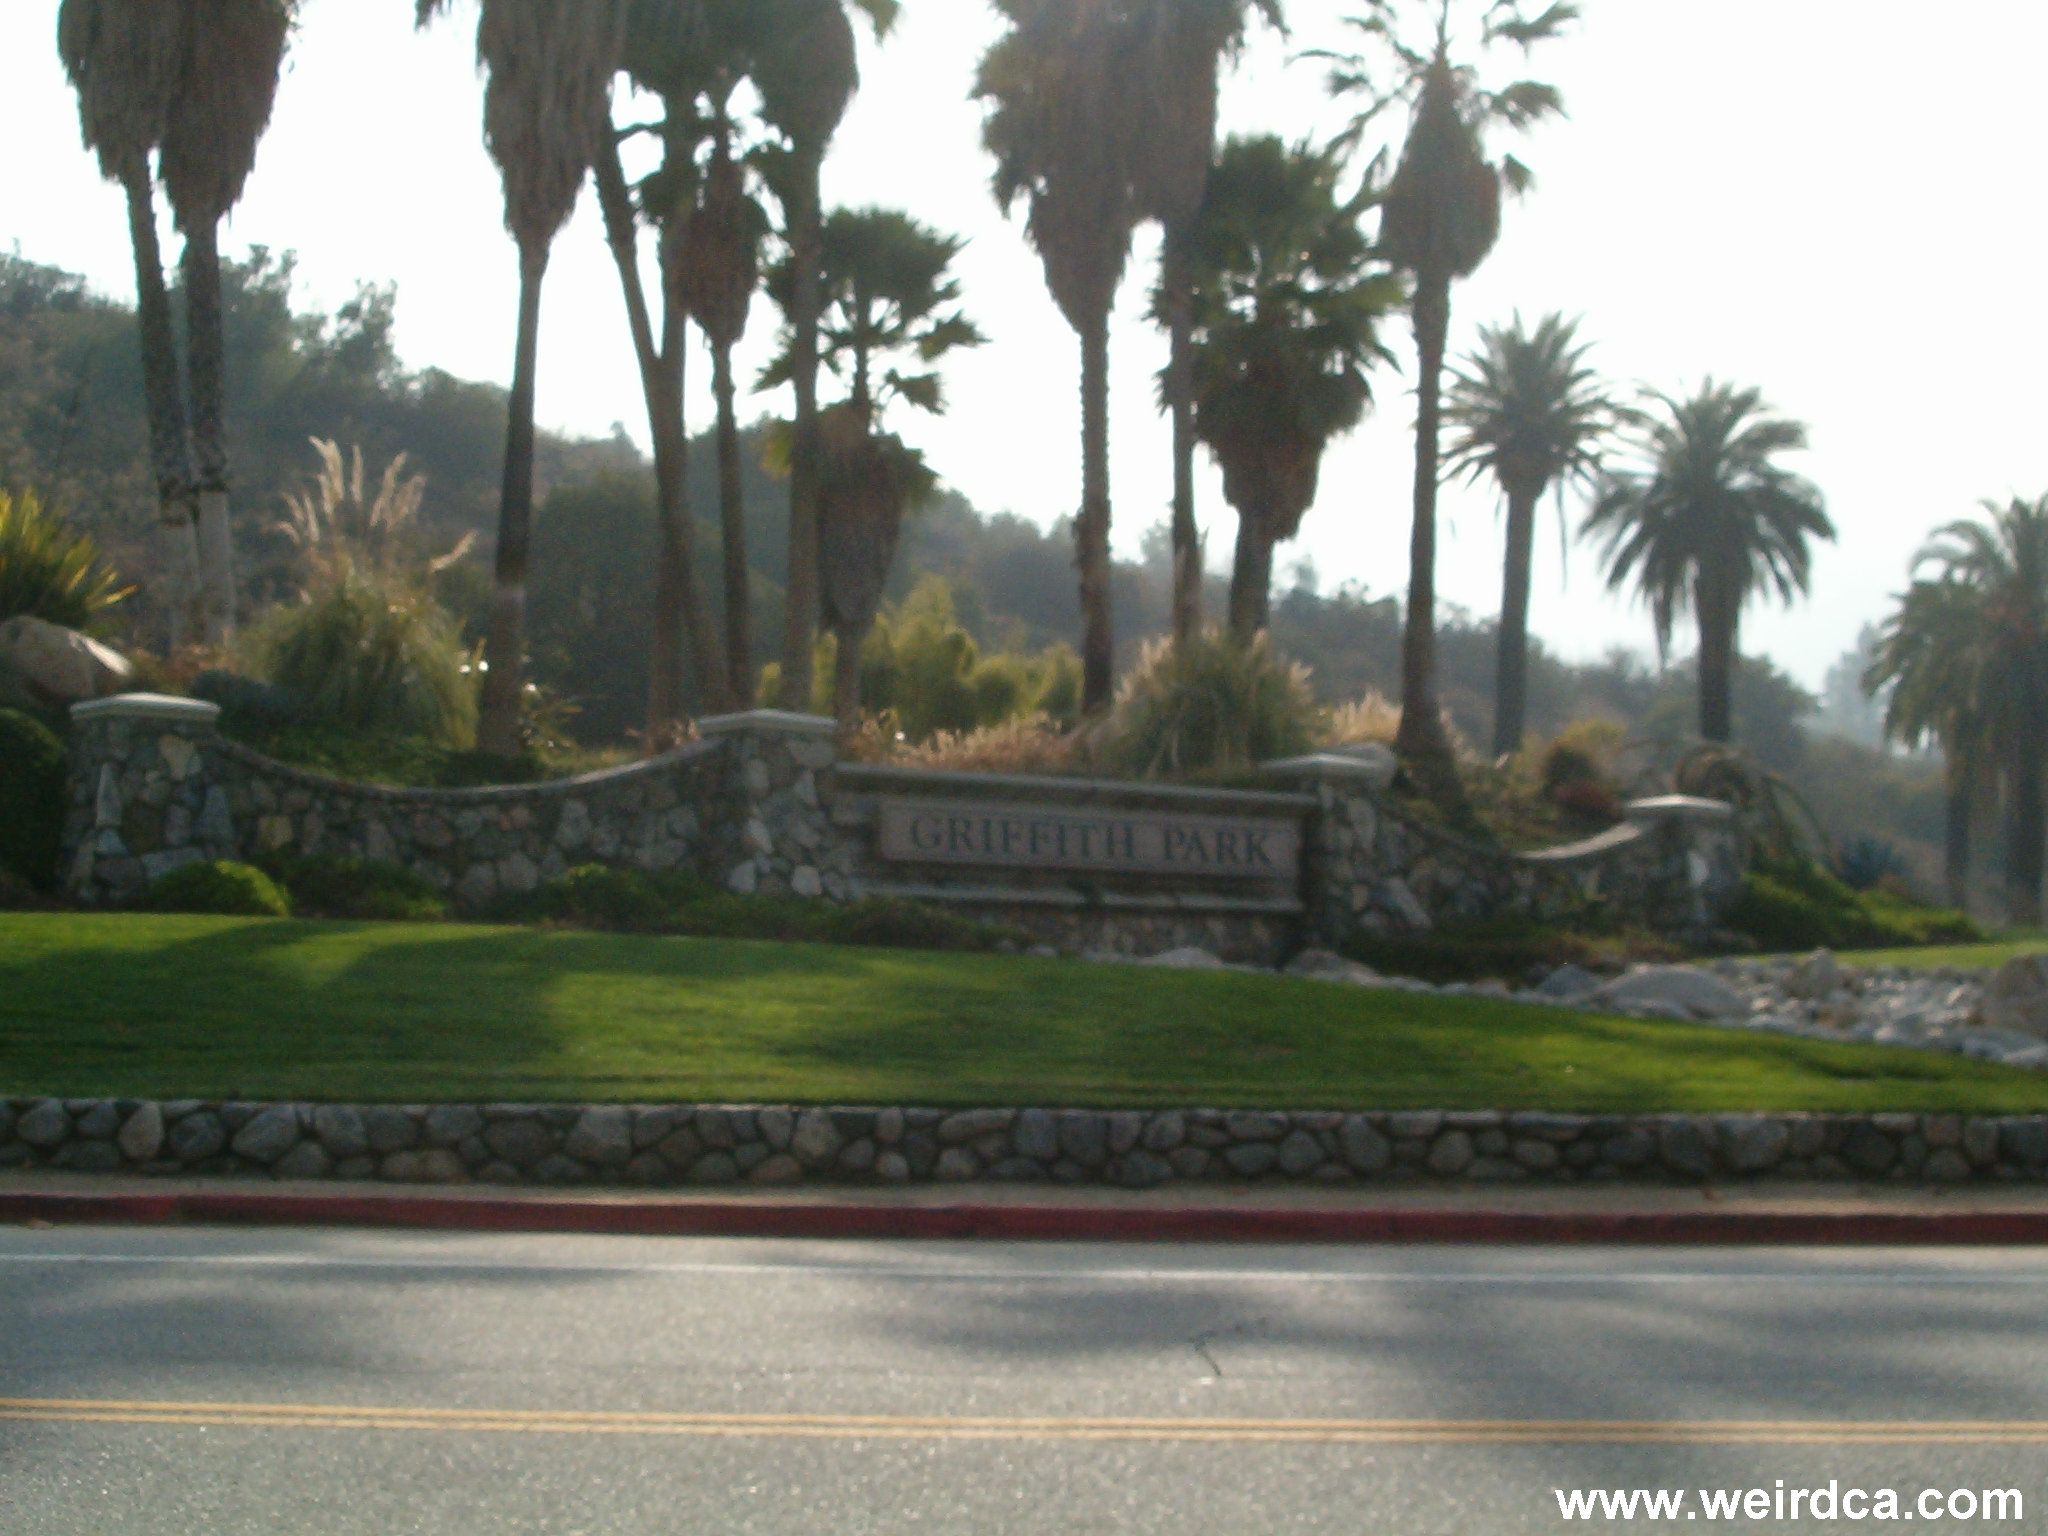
{"x":47,"y":571}
{"x":592,"y":896}
{"x":1864,"y":863}
{"x":371,"y":654}
{"x":1509,"y":949}
{"x":1214,"y":705}
{"x":1032,"y":744}
{"x":363,"y":890}
{"x":1795,"y":904}
{"x":219,"y":889}
{"x":31,"y":798}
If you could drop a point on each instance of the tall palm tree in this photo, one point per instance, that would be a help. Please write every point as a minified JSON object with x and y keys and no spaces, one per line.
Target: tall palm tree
{"x":888,"y":294}
{"x":1183,"y":46}
{"x":806,"y":70}
{"x":2002,"y":561}
{"x":721,"y":269}
{"x":124,"y":58}
{"x":1526,"y":410}
{"x":1932,"y":654}
{"x":671,"y":49}
{"x":1709,"y":523}
{"x":235,"y":51}
{"x":546,"y":117}
{"x":1441,"y":216}
{"x":1057,"y":125}
{"x":1287,"y":307}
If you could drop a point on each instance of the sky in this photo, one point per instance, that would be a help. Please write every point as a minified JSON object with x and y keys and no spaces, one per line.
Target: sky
{"x":1821,"y":199}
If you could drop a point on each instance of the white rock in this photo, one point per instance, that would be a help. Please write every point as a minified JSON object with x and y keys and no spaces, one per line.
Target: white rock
{"x":1568,"y":983}
{"x":2017,"y":996}
{"x":1816,"y":976}
{"x":1694,"y":992}
{"x":1186,"y":958}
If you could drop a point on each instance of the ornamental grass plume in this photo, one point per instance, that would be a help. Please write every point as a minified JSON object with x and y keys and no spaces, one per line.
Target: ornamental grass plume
{"x":1213,"y":704}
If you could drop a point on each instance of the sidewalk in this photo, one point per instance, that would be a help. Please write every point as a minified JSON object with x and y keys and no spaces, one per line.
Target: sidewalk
{"x":1786,"y":1214}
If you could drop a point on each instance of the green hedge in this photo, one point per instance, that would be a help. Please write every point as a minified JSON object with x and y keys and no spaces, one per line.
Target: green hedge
{"x":219,"y":889}
{"x":1508,"y":949}
{"x":31,"y":798}
{"x":1797,"y":905}
{"x":363,"y":890}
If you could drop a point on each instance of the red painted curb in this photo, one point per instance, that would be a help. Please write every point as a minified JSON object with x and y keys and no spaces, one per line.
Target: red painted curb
{"x":1027,"y":1222}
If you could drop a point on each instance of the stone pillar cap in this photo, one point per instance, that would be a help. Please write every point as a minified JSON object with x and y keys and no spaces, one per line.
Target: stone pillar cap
{"x":1368,"y":761}
{"x":787,"y":722}
{"x":147,"y":706}
{"x":1679,"y":807}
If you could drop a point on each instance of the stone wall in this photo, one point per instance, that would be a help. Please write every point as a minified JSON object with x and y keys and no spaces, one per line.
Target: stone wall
{"x":761,"y":805}
{"x":714,"y":1144}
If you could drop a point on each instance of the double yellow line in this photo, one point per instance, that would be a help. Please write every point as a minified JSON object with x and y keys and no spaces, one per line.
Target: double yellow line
{"x":1168,"y":1430}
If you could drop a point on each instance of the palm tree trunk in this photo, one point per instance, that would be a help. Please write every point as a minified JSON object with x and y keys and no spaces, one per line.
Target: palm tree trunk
{"x":1961,"y":775}
{"x":732,"y":510}
{"x":206,"y":358}
{"x":170,"y":452}
{"x":1091,"y":530}
{"x":1717,"y":612}
{"x":505,"y":644}
{"x":1511,"y":669}
{"x":2026,"y":830}
{"x":846,"y":681}
{"x":1251,"y":576}
{"x":678,"y":613}
{"x":1421,"y":739}
{"x":801,"y":589}
{"x":1180,"y":394}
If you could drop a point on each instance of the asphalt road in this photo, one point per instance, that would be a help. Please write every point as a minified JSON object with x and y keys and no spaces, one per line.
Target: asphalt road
{"x":209,"y":1381}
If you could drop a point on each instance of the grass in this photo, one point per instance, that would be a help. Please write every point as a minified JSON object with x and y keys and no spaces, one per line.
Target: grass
{"x":1969,"y":957}
{"x":165,"y":1006}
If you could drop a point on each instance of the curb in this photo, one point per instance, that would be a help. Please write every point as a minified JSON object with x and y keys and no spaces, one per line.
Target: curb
{"x":1043,"y":1223}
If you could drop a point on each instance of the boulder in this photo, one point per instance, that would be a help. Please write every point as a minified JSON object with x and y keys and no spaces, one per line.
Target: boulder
{"x":1676,"y":991}
{"x":2016,"y":997}
{"x":1186,"y":958}
{"x":1326,"y":965}
{"x":1817,"y":976}
{"x":60,"y":666}
{"x":1568,"y":983}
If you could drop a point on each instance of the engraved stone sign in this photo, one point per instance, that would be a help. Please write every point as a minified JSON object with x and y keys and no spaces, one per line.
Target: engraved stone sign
{"x":1053,"y":837}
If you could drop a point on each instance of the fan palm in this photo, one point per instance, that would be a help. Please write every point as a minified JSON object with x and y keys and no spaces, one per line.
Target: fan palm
{"x":2002,"y":561}
{"x":1287,"y":307}
{"x":1931,"y":654}
{"x":235,"y":50}
{"x":1527,"y":411}
{"x":546,"y":115}
{"x":1441,"y":216}
{"x":1057,"y":85}
{"x":672,"y":49}
{"x":1183,"y":44}
{"x":124,"y":58}
{"x":806,"y":70}
{"x":1709,"y":523}
{"x":888,"y":293}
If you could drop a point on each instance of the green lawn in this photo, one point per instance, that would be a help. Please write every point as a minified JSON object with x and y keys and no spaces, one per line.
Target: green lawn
{"x":219,"y":1007}
{"x":1972,"y":957}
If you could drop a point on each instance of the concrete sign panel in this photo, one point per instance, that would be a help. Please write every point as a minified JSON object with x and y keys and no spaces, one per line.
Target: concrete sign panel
{"x":1084,"y":838}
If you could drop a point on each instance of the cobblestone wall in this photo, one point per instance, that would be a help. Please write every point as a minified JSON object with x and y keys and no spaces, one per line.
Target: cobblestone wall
{"x":713,"y":1144}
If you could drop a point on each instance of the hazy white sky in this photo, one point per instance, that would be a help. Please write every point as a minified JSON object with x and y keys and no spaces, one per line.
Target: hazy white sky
{"x":1835,"y":201}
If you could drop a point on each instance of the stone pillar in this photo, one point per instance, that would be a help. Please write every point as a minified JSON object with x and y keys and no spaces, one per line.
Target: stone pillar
{"x":1339,"y":841}
{"x":146,"y":794}
{"x":1697,"y":866}
{"x":770,"y":833}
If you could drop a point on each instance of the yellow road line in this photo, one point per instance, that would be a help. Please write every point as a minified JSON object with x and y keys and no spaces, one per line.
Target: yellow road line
{"x":892,"y":1427}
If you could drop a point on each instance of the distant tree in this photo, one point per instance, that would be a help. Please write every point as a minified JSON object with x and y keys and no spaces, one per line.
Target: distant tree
{"x":888,"y":293}
{"x":125,"y":59}
{"x":1709,"y":523}
{"x":234,"y":52}
{"x":1287,"y":308}
{"x":546,"y":113}
{"x":1056,"y":84}
{"x":1441,"y":216}
{"x":1526,"y":410}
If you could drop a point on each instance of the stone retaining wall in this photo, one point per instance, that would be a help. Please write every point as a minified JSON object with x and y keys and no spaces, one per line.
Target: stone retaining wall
{"x":709,"y":1145}
{"x":761,"y":805}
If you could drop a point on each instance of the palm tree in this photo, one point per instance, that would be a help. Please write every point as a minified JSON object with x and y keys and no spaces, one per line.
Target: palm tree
{"x":2002,"y":562}
{"x":1286,"y":314}
{"x":888,"y":293}
{"x":1056,"y":84}
{"x":124,"y":58}
{"x":721,"y":268}
{"x":1441,"y":217}
{"x":235,"y":50}
{"x":1184,"y":44}
{"x":1527,"y":411}
{"x":546,"y":116}
{"x":1709,"y":523}
{"x":806,"y":70}
{"x":672,"y":47}
{"x":1931,"y":654}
